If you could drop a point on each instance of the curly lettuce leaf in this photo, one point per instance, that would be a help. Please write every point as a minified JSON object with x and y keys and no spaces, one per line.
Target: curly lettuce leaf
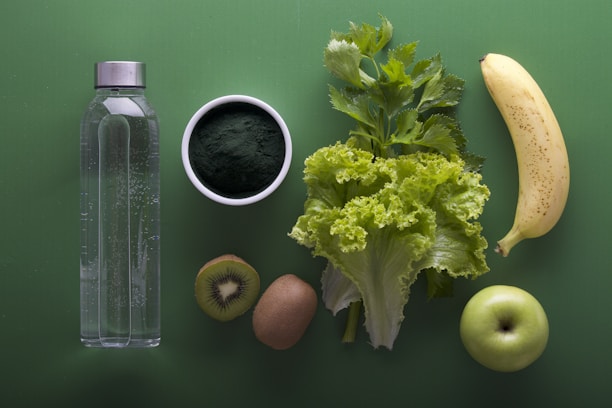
{"x":338,"y":291}
{"x":379,"y":222}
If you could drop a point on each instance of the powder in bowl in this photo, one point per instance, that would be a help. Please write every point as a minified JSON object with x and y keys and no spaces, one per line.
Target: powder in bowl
{"x":237,"y":149}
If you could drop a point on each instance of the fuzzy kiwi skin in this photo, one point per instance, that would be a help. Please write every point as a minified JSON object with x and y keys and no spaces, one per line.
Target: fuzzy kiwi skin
{"x":284,"y":312}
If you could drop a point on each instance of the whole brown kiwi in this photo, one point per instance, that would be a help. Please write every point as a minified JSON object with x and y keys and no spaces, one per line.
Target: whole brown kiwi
{"x":284,"y":312}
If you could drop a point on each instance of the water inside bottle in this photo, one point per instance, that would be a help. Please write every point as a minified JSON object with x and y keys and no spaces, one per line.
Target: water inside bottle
{"x":119,"y":230}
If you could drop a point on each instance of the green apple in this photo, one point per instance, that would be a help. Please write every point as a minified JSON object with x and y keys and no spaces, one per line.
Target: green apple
{"x":504,"y":328}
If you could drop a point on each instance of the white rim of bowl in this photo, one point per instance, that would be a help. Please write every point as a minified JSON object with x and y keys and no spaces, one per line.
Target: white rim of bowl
{"x":223,"y":100}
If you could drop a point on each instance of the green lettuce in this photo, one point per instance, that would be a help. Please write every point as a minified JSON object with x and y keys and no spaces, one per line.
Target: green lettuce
{"x":380,"y":222}
{"x":401,"y":196}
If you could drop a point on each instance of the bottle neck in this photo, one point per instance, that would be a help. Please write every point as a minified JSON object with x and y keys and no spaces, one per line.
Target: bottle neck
{"x":123,"y":91}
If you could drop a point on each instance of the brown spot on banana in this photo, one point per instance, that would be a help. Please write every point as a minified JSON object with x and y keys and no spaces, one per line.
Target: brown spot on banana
{"x":543,"y":165}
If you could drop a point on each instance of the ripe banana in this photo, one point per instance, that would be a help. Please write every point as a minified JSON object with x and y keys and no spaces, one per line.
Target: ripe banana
{"x":543,"y":166}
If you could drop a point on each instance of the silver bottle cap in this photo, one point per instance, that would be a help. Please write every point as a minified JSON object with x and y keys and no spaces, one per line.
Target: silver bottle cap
{"x":118,"y":74}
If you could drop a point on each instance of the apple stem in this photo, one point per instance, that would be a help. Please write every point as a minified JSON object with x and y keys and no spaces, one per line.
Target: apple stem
{"x":352,"y":321}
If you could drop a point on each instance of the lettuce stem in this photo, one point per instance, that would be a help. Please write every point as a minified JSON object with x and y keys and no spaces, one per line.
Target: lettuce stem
{"x":352,"y":321}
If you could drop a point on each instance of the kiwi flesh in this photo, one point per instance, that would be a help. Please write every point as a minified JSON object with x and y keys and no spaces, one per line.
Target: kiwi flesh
{"x":226,"y":287}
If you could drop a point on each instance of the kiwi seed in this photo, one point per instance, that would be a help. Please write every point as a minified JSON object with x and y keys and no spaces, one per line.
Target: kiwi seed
{"x":226,"y":287}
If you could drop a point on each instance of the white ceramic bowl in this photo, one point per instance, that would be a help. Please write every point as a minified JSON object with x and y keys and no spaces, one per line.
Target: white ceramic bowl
{"x":217,"y":196}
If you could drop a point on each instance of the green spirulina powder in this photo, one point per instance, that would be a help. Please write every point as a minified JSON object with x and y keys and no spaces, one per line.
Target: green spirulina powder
{"x":237,"y":150}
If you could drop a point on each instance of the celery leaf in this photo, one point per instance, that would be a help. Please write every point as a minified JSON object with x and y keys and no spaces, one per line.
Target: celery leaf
{"x":441,"y":91}
{"x":354,"y":104}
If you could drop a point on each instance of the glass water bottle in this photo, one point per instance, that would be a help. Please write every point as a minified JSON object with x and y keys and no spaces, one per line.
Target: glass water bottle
{"x":120,"y":208}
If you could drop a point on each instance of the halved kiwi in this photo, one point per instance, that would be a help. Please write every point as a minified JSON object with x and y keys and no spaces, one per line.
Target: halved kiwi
{"x":226,"y":287}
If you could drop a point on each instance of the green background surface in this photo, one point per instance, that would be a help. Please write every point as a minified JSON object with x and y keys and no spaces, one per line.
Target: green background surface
{"x":198,"y":50}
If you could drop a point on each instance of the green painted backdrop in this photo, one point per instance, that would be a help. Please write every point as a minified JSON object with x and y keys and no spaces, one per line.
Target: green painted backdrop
{"x":272,"y":49}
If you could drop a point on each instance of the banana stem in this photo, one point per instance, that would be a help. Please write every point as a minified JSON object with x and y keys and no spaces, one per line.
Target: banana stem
{"x":352,"y":321}
{"x":508,"y":242}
